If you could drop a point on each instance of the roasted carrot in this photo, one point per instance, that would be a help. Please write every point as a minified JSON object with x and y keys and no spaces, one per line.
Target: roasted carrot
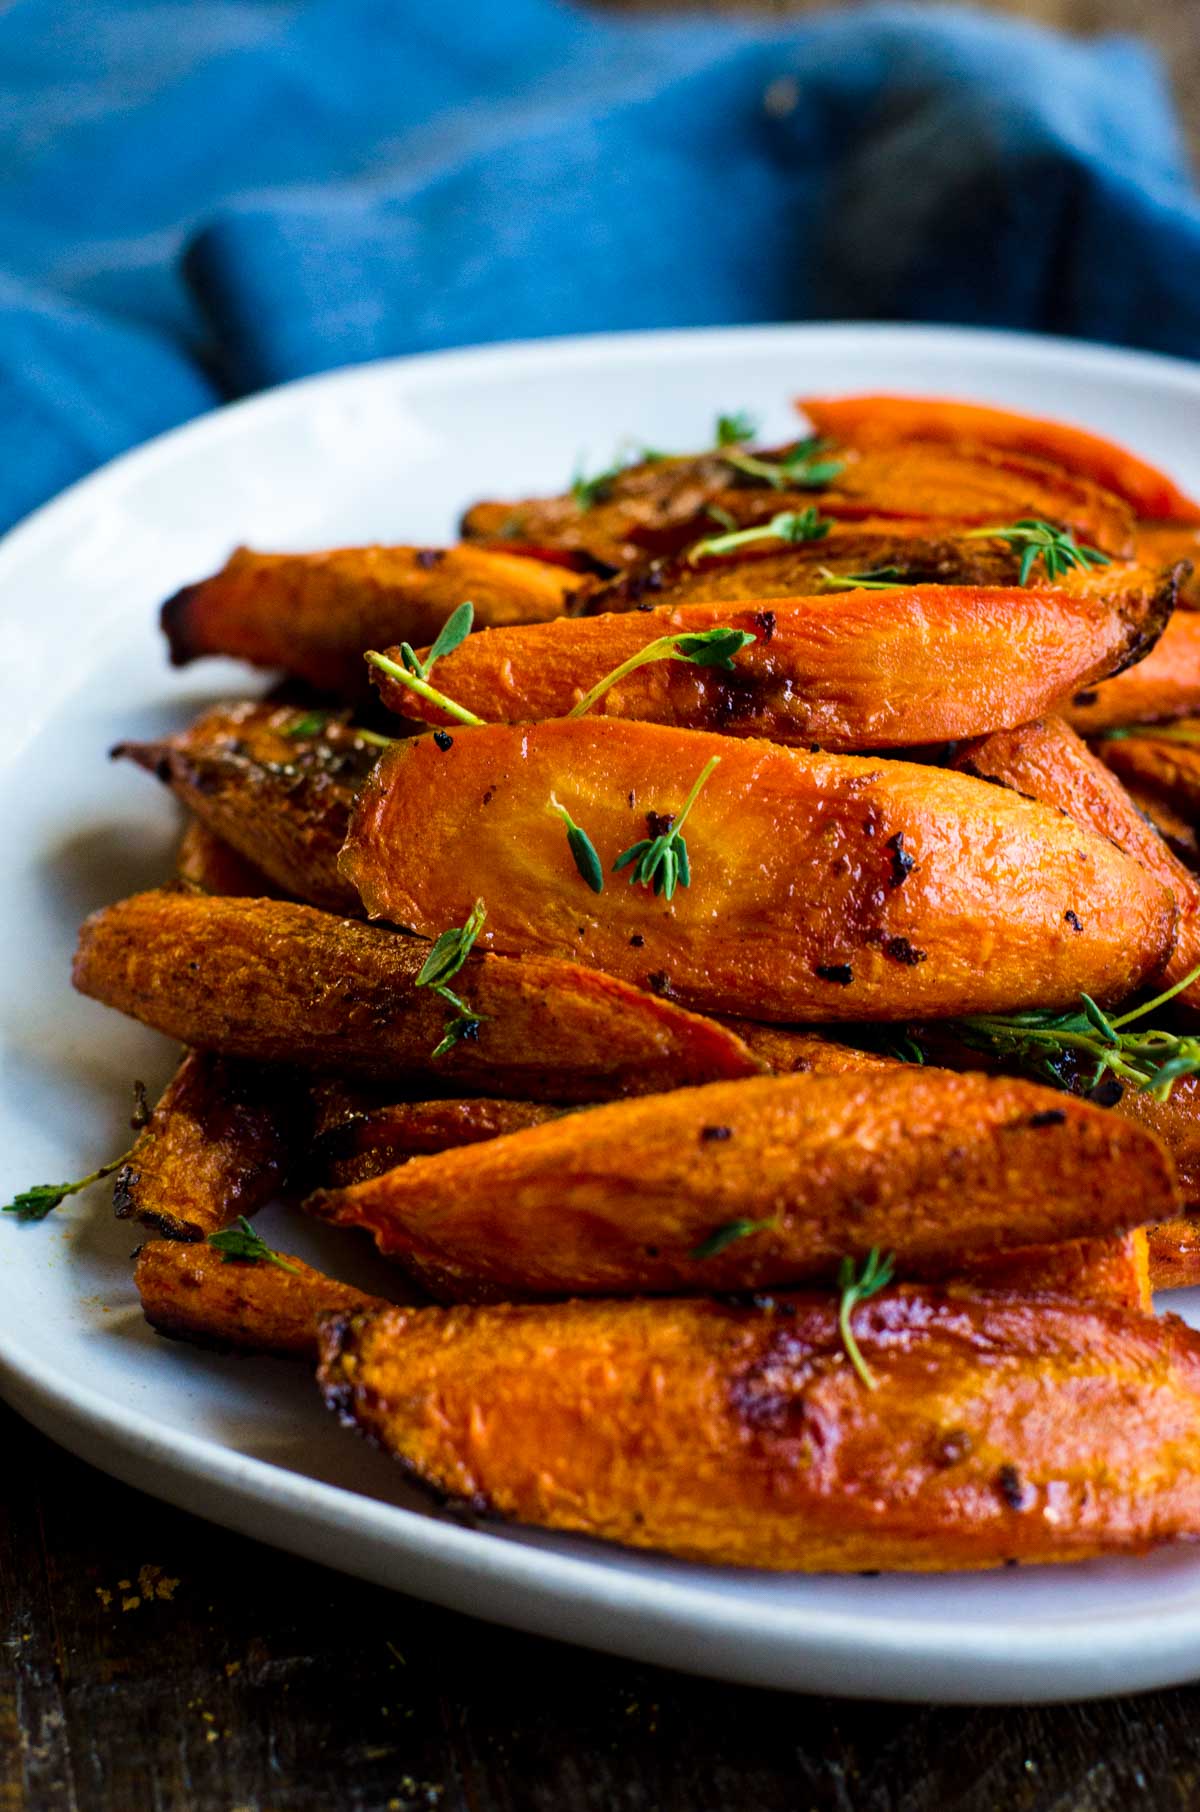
{"x":1174,"y":1248}
{"x":883,"y":421}
{"x":1168,"y":766}
{"x":1002,"y":1427}
{"x":276,"y":784}
{"x":216,"y":1146}
{"x":1114,"y":1270}
{"x":1164,"y":685}
{"x":355,"y":1138}
{"x":822,"y":887}
{"x":192,"y":1293}
{"x":1045,"y":760}
{"x":210,"y":865}
{"x":745,"y":1185}
{"x":1173,"y":544}
{"x":859,"y":670}
{"x":287,"y":984}
{"x":313,"y":615}
{"x":1176,"y":829}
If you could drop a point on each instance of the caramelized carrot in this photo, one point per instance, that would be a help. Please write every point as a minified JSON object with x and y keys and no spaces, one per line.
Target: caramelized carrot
{"x":1173,"y":544}
{"x":287,"y":984}
{"x":193,"y":1293}
{"x":1165,"y":684}
{"x":314,"y":615}
{"x":1115,"y":1270}
{"x":1002,"y":1427}
{"x":355,"y":1138}
{"x":210,"y":865}
{"x":1175,"y":1253}
{"x":883,"y":421}
{"x":823,"y":887}
{"x":744,"y":1185}
{"x":858,"y":670}
{"x":1169,"y":767}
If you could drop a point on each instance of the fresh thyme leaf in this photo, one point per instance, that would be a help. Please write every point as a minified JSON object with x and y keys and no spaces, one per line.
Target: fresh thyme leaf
{"x":242,"y":1245}
{"x":451,"y":635}
{"x":582,"y":849}
{"x":801,"y":469}
{"x":450,"y":951}
{"x":662,"y":862}
{"x":421,"y":687}
{"x":1033,"y":538}
{"x":36,"y":1203}
{"x":463,"y":1027}
{"x":725,"y":1235}
{"x":309,"y":723}
{"x":878,"y":578}
{"x":856,"y":1287}
{"x":734,"y":430}
{"x":1185,"y":733}
{"x":788,"y":525}
{"x":706,"y":648}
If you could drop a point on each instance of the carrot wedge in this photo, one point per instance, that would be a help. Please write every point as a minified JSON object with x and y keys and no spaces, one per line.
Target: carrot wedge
{"x":216,"y":1146}
{"x":287,"y":984}
{"x":276,"y":784}
{"x":1167,"y":765}
{"x":749,"y":1185}
{"x":1174,"y":1249}
{"x":192,"y":1293}
{"x":856,"y":670}
{"x":210,"y":865}
{"x":1114,"y":1270}
{"x":822,"y":887}
{"x":355,"y":1138}
{"x":1165,"y":684}
{"x":882,"y":421}
{"x":743,"y":1436}
{"x":1046,"y":760}
{"x":313,"y":615}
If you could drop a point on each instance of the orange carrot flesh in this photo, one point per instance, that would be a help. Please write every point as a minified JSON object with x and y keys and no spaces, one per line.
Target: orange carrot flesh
{"x":1164,"y":685}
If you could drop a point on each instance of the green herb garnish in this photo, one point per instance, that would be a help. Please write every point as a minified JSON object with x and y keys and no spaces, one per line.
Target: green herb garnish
{"x":736,"y":429}
{"x":878,"y":578}
{"x":1184,"y":733}
{"x":588,"y":492}
{"x":582,"y":849}
{"x":36,"y":1203}
{"x":1058,"y":550}
{"x":800,"y":470}
{"x":242,"y":1245}
{"x":789,"y":525}
{"x":1050,"y":1044}
{"x":309,"y":723}
{"x":725,"y":1235}
{"x":705,"y":648}
{"x":451,"y":635}
{"x":450,"y":951}
{"x":876,"y":1275}
{"x":662,"y":862}
{"x":422,"y":688}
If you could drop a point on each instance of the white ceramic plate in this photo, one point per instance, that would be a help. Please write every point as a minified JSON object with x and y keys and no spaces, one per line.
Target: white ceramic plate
{"x":391,"y":452}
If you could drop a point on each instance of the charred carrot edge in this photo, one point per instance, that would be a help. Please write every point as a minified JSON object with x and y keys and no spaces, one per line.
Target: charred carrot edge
{"x":882,"y":419}
{"x":1174,"y":1250}
{"x":743,"y":1435}
{"x":1164,"y":685}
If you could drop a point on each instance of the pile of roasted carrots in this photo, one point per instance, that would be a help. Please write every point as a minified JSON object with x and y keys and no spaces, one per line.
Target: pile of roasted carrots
{"x":731,"y":934}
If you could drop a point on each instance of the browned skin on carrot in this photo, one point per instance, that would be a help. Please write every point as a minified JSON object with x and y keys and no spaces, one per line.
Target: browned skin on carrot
{"x":887,"y":420}
{"x":354,"y":1142}
{"x":216,"y":1146}
{"x":823,"y":887}
{"x":1169,"y":769}
{"x":626,"y":1198}
{"x":1167,"y":544}
{"x":664,"y":505}
{"x":1177,"y":830}
{"x":1165,"y":685}
{"x":1174,"y":1248}
{"x":856,"y":670}
{"x":1046,"y":760}
{"x":287,"y":984}
{"x":192,"y":1293}
{"x":314,"y":615}
{"x":207,"y":863}
{"x":741,"y":1435}
{"x":1115,"y":1270}
{"x":279,"y":796}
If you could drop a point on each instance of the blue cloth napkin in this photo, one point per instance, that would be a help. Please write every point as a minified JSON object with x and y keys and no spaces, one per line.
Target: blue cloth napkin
{"x":201,"y":197}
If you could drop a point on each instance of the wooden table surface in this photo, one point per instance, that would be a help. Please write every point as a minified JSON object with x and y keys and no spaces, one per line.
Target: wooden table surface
{"x":148,"y":1660}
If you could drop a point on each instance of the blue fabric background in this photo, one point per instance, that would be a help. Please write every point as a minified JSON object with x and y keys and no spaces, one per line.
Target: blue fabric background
{"x":200,"y":197}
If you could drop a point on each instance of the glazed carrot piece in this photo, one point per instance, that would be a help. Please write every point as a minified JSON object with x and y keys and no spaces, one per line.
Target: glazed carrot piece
{"x":747,"y":1185}
{"x":1166,"y":765}
{"x":1115,"y":1270}
{"x":313,"y":615}
{"x":1174,"y":1249}
{"x":1173,"y":544}
{"x":859,"y":670}
{"x":1177,"y":830}
{"x":192,"y":1293}
{"x":1045,"y":760}
{"x":276,"y":784}
{"x":210,"y":865}
{"x":355,"y":1138}
{"x":1165,"y":684}
{"x":743,"y":1436}
{"x":883,"y":421}
{"x":822,"y":887}
{"x":216,"y":1146}
{"x":286,"y":984}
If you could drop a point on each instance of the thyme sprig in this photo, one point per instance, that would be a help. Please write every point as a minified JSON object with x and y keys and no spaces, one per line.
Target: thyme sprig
{"x":792,"y":526}
{"x":726,"y":1235}
{"x":315,"y":723}
{"x":860,"y":1286}
{"x":877,"y":578}
{"x":36,"y":1203}
{"x":583,"y":850}
{"x":240,"y":1244}
{"x":662,"y":862}
{"x":451,"y":635}
{"x":1057,"y":548}
{"x":801,"y":469}
{"x":451,"y":948}
{"x":703,"y":648}
{"x":422,"y":688}
{"x":736,"y":429}
{"x":1052,"y":1043}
